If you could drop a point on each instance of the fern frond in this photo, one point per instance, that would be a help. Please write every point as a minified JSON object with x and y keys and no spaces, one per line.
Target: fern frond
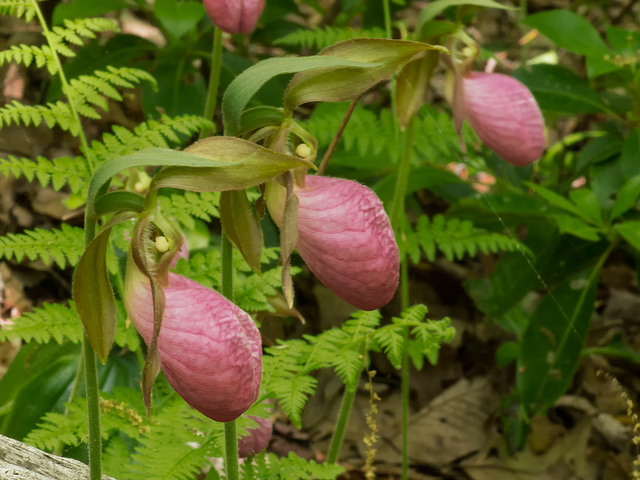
{"x":154,"y":133}
{"x":392,"y":342}
{"x":185,"y":207}
{"x":64,"y":245}
{"x":457,"y":238}
{"x":323,"y":37}
{"x":268,"y":466}
{"x":55,"y":428}
{"x":75,"y":30}
{"x":18,"y":8}
{"x":52,"y":114}
{"x":52,"y":321}
{"x":26,"y":54}
{"x":57,"y":172}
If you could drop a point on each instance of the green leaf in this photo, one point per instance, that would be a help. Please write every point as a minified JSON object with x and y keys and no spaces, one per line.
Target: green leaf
{"x":435,"y":8}
{"x":558,"y":89}
{"x":630,"y":154}
{"x":627,"y":197}
{"x":241,"y":224}
{"x":552,"y":343}
{"x":570,"y":31}
{"x":630,"y":231}
{"x":412,"y":85}
{"x":554,"y":199}
{"x":576,"y":227}
{"x":382,"y":58}
{"x":92,"y":292}
{"x":588,"y":204}
{"x":238,"y":164}
{"x":178,"y":18}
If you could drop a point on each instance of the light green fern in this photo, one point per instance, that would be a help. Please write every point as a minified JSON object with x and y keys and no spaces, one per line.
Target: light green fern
{"x":52,"y":321}
{"x":18,"y":8}
{"x":323,"y":37}
{"x":267,"y":466}
{"x":57,"y":172}
{"x":64,"y":245}
{"x":455,"y":238}
{"x":185,"y":207}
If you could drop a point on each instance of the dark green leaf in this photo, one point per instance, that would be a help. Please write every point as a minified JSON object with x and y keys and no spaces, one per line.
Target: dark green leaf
{"x":627,"y":197}
{"x":630,"y":231}
{"x":435,"y":8}
{"x":569,"y":30}
{"x":84,"y":9}
{"x":587,"y":202}
{"x":558,"y":89}
{"x":630,"y":154}
{"x":178,"y":18}
{"x":552,"y":344}
{"x":574,"y":226}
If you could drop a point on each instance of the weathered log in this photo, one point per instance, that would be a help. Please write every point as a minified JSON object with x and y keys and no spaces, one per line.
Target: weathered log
{"x":19,"y":461}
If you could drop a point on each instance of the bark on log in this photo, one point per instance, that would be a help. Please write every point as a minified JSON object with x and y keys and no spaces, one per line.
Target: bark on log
{"x":19,"y":461}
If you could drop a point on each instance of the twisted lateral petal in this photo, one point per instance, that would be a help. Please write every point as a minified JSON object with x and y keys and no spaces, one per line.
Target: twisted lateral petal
{"x":210,"y":349}
{"x":234,"y":16}
{"x":504,"y":114}
{"x":345,"y":238}
{"x":258,"y":437}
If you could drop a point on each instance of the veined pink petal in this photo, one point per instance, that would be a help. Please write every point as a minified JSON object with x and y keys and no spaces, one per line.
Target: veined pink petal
{"x":234,"y":16}
{"x":345,"y":237}
{"x":209,"y":348}
{"x":258,"y":437}
{"x":504,"y":114}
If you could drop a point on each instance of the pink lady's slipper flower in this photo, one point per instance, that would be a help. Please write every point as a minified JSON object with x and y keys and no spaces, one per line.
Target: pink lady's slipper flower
{"x":258,"y":437}
{"x":346,"y":239}
{"x":504,"y":114}
{"x":210,"y":349}
{"x":234,"y":16}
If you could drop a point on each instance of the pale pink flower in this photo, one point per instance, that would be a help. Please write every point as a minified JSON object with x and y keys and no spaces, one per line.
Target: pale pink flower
{"x":209,"y":348}
{"x":234,"y":16}
{"x":504,"y":114}
{"x":258,"y":437}
{"x":346,"y":239}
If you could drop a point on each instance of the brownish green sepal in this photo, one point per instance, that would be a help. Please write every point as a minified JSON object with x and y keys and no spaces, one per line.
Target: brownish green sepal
{"x":93,"y":295}
{"x":338,"y":84}
{"x":412,"y":85}
{"x":248,"y":165}
{"x":240,"y":223}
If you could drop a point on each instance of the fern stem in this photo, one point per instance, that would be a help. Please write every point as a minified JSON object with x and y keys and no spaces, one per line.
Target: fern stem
{"x":336,"y":139}
{"x":397,"y":205}
{"x":93,"y":410}
{"x":66,"y":88}
{"x":214,"y":81}
{"x":341,"y":425}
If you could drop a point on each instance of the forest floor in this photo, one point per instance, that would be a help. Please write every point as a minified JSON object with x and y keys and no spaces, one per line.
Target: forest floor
{"x":459,"y":407}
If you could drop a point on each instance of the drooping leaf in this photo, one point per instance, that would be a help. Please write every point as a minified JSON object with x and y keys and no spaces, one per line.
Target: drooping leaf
{"x":630,"y":231}
{"x":240,"y":223}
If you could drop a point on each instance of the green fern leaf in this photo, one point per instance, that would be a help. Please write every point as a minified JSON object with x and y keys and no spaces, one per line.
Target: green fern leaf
{"x":52,"y":321}
{"x":392,"y":342}
{"x":187,"y":206}
{"x":57,"y":172}
{"x":18,"y":8}
{"x":456,"y":238}
{"x":26,"y":54}
{"x":64,"y":245}
{"x":323,"y":37}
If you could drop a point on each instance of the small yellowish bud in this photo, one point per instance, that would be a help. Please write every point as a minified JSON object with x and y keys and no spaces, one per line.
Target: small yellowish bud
{"x":162,"y":244}
{"x":303,"y":150}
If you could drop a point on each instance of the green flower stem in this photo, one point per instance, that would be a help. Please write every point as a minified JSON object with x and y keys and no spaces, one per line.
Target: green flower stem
{"x":397,"y":212}
{"x":336,"y":139}
{"x":89,"y":158}
{"x":387,"y":18}
{"x":230,"y":440}
{"x":214,"y":81}
{"x":341,"y":425}
{"x":93,"y":410}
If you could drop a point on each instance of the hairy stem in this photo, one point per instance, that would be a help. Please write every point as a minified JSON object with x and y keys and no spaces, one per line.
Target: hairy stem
{"x":66,"y":88}
{"x":336,"y":139}
{"x":93,"y":410}
{"x":341,"y":425}
{"x":230,"y":440}
{"x":214,"y":81}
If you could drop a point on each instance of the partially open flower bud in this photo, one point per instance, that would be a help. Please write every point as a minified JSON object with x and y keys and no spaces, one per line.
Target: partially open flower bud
{"x":258,"y":437}
{"x":346,"y":239}
{"x":210,"y":349}
{"x":504,"y":114}
{"x":234,"y":16}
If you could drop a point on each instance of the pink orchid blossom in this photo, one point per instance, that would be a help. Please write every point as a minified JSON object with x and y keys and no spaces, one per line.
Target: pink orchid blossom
{"x":346,"y":239}
{"x":504,"y":114}
{"x":209,"y":348}
{"x":234,"y":16}
{"x":258,"y":437}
